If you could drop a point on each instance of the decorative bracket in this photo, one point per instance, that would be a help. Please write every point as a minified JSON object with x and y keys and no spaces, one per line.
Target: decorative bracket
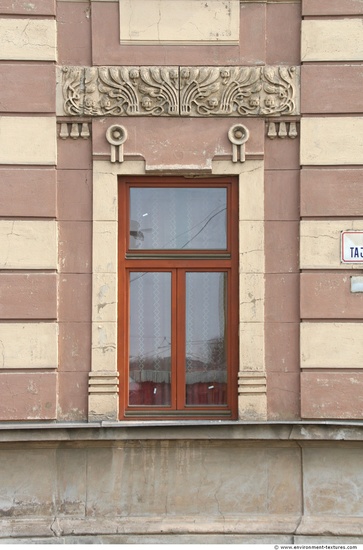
{"x":116,"y":136}
{"x":238,"y":135}
{"x":282,"y":129}
{"x":74,"y":130}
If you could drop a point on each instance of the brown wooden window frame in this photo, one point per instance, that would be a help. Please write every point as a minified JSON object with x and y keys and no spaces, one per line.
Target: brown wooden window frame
{"x":178,"y":263}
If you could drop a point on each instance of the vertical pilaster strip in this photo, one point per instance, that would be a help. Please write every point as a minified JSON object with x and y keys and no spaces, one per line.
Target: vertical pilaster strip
{"x":252,"y":399}
{"x":103,"y":378}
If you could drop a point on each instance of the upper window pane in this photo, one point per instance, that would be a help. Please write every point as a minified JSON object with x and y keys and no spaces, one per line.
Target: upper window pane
{"x":178,"y":218}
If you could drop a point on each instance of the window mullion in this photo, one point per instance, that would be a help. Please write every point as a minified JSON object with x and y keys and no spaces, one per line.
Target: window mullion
{"x":180,"y":338}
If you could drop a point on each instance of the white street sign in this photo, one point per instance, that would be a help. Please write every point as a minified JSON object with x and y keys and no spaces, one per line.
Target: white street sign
{"x":352,"y":247}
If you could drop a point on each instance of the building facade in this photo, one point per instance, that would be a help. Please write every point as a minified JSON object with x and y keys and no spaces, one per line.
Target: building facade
{"x":181,"y":204}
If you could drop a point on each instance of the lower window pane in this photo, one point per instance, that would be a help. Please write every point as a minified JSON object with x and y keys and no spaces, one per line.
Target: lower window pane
{"x":150,"y":339}
{"x":206,"y":366}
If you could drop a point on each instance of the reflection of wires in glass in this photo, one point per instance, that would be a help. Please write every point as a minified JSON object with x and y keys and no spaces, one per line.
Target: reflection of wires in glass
{"x":142,"y":275}
{"x":204,"y":226}
{"x":211,"y":214}
{"x":185,"y":244}
{"x":151,"y":354}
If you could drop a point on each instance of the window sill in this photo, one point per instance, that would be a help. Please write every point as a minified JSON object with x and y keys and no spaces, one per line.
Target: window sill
{"x":294,"y":431}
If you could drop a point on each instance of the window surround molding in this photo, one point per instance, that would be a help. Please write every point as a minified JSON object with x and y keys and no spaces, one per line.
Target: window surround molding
{"x":103,"y":378}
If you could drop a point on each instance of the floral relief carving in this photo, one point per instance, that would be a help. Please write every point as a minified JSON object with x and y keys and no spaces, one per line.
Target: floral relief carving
{"x":181,"y":91}
{"x":220,"y":91}
{"x":279,"y":86}
{"x":238,"y":91}
{"x":72,"y":90}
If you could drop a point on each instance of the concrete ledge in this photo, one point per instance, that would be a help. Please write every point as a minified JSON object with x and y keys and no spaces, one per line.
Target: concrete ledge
{"x":160,"y":538}
{"x":183,"y":430}
{"x":257,"y":526}
{"x":59,"y":527}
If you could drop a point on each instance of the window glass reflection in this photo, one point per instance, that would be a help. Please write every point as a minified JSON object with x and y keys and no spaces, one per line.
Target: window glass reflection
{"x":178,"y":218}
{"x":206,"y":365}
{"x":150,"y":338}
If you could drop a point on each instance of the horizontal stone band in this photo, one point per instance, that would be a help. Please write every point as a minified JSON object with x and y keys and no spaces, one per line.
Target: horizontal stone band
{"x":180,"y":91}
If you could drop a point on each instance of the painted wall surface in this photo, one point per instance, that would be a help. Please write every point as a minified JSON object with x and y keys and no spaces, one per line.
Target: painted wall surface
{"x":290,"y":71}
{"x":328,"y":177}
{"x":54,"y":138}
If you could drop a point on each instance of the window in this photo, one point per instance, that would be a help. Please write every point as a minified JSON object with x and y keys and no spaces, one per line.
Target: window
{"x":178,"y":297}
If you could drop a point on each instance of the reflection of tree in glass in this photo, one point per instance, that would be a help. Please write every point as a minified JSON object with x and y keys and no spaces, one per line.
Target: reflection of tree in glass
{"x":217,"y":352}
{"x":212,"y":355}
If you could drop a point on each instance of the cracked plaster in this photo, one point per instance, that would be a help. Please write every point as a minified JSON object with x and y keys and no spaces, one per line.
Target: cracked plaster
{"x":170,"y":22}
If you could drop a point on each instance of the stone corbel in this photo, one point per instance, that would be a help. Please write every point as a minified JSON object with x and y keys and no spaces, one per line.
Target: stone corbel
{"x":282,"y":129}
{"x":74,"y":130}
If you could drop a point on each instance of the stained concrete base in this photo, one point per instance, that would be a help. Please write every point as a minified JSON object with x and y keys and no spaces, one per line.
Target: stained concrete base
{"x":186,"y":539}
{"x":264,"y":483}
{"x":156,"y":539}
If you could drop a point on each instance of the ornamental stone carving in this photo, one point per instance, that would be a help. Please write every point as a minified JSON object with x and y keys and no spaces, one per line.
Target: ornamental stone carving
{"x":116,"y":136}
{"x":238,"y":135}
{"x":74,"y":130}
{"x":181,"y":91}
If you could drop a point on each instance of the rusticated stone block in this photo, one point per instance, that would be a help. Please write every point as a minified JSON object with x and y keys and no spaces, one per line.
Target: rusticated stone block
{"x":332,"y":7}
{"x":331,"y":141}
{"x":331,"y":345}
{"x":38,"y":81}
{"x":342,"y":85}
{"x":331,"y":192}
{"x":28,"y":346}
{"x":281,"y":195}
{"x":282,"y":46}
{"x":28,"y":244}
{"x":74,"y":194}
{"x":328,"y":296}
{"x":320,"y":243}
{"x":320,"y":37}
{"x":332,"y":394}
{"x":75,"y":346}
{"x":28,"y":140}
{"x":75,"y":297}
{"x":72,"y":396}
{"x":75,"y":247}
{"x":21,"y":7}
{"x":28,"y":39}
{"x":74,"y":32}
{"x":27,"y":480}
{"x":28,"y":296}
{"x":21,"y":188}
{"x":28,"y":396}
{"x":333,"y":481}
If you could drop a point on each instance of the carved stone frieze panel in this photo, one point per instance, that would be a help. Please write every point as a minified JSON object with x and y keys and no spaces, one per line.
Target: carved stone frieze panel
{"x":180,"y":91}
{"x":238,"y":91}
